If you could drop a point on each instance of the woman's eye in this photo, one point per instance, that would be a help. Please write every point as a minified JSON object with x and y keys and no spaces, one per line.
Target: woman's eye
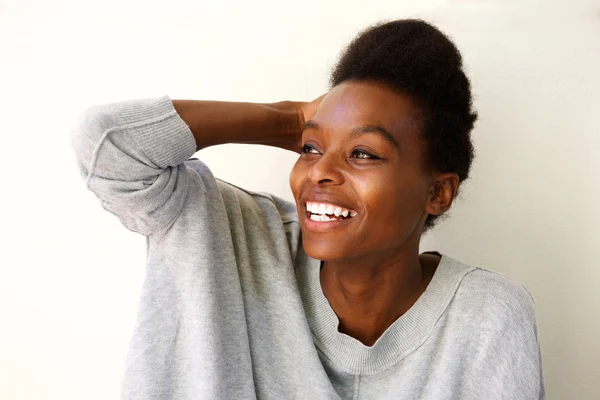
{"x":363,"y":154}
{"x":309,"y":149}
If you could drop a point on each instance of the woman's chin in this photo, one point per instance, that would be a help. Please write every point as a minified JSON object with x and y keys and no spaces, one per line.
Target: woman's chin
{"x":323,"y":250}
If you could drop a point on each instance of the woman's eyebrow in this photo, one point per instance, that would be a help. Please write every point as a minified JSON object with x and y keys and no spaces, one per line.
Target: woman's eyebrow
{"x":359,"y":131}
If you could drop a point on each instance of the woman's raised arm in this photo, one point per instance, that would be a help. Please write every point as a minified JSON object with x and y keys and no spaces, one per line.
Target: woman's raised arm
{"x":219,"y":122}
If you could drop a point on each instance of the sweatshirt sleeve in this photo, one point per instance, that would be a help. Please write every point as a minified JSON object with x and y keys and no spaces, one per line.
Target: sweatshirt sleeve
{"x":131,"y":155}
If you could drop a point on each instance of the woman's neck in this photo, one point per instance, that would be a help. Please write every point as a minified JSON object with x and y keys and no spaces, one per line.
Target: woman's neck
{"x":369,"y":295}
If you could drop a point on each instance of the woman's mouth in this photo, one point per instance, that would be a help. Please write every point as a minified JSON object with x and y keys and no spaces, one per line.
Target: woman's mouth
{"x":321,"y":214}
{"x":329,"y":212}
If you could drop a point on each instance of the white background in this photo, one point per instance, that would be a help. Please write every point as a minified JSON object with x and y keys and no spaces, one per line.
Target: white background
{"x":70,"y":274}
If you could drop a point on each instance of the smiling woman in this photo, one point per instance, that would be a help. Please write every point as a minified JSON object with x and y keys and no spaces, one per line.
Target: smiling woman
{"x":248,"y":296}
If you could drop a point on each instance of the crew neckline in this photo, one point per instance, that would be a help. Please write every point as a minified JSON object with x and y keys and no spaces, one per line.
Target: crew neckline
{"x":401,"y":338}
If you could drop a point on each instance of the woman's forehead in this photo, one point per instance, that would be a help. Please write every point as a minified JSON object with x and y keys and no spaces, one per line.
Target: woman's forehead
{"x":352,"y":105}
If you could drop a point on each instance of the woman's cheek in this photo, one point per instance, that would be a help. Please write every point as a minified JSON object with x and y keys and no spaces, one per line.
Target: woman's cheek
{"x":294,"y":178}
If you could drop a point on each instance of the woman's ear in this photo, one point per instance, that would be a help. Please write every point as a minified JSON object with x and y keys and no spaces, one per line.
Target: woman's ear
{"x":441,"y":193}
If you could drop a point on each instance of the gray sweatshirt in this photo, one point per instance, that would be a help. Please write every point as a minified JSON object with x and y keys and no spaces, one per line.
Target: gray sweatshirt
{"x":232,"y":307}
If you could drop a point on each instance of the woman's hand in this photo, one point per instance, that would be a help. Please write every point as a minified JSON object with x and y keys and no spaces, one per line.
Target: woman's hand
{"x":309,"y":109}
{"x":306,"y":111}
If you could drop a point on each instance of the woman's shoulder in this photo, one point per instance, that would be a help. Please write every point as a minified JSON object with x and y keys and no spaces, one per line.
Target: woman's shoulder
{"x":263,"y":204}
{"x":496,"y":298}
{"x":266,"y":201}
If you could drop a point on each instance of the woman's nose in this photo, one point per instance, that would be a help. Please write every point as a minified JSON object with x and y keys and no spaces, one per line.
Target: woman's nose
{"x":326,"y":170}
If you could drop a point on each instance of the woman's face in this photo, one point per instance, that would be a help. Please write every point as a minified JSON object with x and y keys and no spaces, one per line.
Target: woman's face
{"x":362,"y":153}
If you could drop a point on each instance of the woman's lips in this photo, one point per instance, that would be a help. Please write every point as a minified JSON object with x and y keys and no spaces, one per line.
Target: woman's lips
{"x":325,"y":226}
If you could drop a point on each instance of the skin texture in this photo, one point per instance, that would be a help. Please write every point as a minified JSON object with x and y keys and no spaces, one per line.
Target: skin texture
{"x":372,"y":271}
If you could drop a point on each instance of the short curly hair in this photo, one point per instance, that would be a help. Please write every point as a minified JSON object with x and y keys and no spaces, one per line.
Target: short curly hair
{"x":413,"y":57}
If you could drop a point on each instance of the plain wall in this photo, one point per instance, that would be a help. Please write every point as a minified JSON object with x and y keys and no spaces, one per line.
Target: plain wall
{"x":70,"y":274}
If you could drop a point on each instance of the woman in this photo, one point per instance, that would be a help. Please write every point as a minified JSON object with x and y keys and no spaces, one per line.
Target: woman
{"x":248,"y":296}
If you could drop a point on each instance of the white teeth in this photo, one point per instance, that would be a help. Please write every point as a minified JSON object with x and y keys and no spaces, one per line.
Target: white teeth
{"x":321,"y":218}
{"x":322,"y":208}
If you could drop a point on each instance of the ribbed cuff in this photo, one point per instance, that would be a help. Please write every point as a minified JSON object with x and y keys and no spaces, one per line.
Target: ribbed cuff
{"x":160,"y":132}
